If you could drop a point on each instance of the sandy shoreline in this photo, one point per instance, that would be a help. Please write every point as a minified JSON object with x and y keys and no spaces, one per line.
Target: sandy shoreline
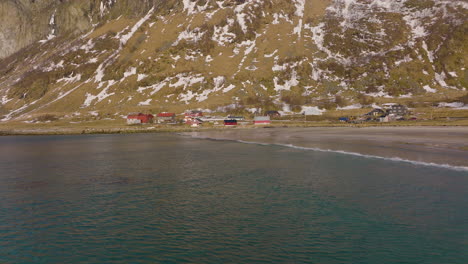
{"x":440,"y":145}
{"x":430,"y":144}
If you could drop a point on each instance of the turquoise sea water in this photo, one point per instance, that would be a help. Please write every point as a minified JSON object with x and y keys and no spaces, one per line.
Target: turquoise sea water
{"x":161,"y":198}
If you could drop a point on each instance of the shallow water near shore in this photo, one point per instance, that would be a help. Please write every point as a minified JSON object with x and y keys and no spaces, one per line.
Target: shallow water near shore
{"x":164,"y":198}
{"x":433,"y":146}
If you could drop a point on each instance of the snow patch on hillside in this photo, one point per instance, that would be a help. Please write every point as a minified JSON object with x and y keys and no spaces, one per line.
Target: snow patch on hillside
{"x":312,"y":110}
{"x":187,"y":80}
{"x":300,"y":5}
{"x":154,"y":88}
{"x":10,"y":115}
{"x":144,"y":103}
{"x":189,"y":35}
{"x":70,"y":79}
{"x":100,"y":96}
{"x":141,"y":77}
{"x":440,"y":78}
{"x":222,"y":35}
{"x":192,"y":7}
{"x":131,"y":71}
{"x":125,"y":38}
{"x":5,"y":100}
{"x":288,"y":84}
{"x":52,"y":29}
{"x":54,"y":66}
{"x":428,"y":89}
{"x":350,"y":107}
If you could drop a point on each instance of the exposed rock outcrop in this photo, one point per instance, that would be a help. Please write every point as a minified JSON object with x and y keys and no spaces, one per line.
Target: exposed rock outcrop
{"x":23,"y":22}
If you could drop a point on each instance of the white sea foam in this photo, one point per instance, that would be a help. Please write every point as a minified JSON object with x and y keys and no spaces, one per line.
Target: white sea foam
{"x":393,"y":159}
{"x":254,"y":143}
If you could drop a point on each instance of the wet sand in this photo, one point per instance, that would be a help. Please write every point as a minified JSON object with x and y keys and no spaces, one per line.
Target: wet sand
{"x":440,"y":145}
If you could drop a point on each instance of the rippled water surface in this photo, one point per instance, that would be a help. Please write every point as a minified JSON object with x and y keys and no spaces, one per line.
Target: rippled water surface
{"x":160,"y":198}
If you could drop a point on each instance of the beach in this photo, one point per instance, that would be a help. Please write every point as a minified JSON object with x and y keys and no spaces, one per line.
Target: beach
{"x":441,"y":145}
{"x":431,"y":145}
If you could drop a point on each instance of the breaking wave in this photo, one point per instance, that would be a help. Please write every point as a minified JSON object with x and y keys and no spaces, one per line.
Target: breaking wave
{"x":394,"y":159}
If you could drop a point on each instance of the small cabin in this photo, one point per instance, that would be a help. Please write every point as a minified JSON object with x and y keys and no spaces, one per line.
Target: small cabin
{"x":166,"y":117}
{"x":262,"y":120}
{"x":230,"y":122}
{"x":399,"y":110}
{"x":193,"y":121}
{"x":139,"y":118}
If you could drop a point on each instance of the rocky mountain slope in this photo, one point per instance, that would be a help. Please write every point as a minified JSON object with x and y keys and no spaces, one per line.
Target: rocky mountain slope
{"x":117,"y":56}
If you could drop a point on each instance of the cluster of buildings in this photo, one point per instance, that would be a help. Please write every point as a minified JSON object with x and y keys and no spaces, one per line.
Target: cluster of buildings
{"x":388,"y":112}
{"x":140,"y":118}
{"x":196,"y":118}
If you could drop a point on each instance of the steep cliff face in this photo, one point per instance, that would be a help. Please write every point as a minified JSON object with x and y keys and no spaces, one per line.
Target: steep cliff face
{"x":20,"y":25}
{"x":118,"y":56}
{"x":23,"y":22}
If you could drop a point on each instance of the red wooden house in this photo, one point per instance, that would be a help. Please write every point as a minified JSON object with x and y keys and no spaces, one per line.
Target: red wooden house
{"x":165,"y":117}
{"x":193,"y":121}
{"x":230,"y":122}
{"x":262,"y":120}
{"x":140,"y":118}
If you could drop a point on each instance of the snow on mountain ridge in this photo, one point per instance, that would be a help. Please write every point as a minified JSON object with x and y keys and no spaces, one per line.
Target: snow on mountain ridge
{"x":209,"y":53}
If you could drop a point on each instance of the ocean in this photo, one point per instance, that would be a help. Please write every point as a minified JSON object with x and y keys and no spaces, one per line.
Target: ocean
{"x":167,"y":198}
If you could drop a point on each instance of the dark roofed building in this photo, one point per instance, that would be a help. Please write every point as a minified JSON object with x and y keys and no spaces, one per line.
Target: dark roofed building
{"x":230,"y":122}
{"x":399,"y":110}
{"x":377,"y":112}
{"x":272,"y":114}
